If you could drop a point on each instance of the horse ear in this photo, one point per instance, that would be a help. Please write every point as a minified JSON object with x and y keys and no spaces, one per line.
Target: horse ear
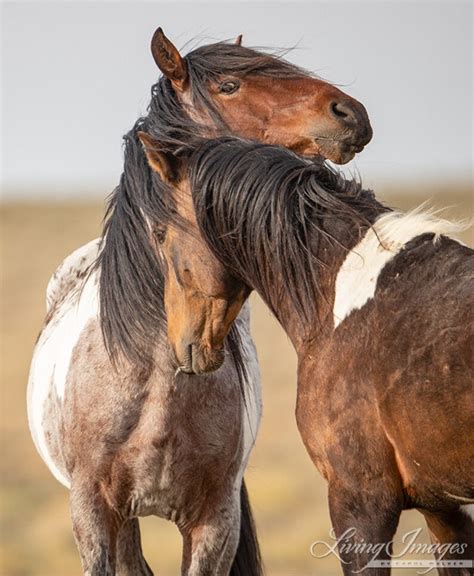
{"x":169,"y":60}
{"x":158,"y":161}
{"x":238,"y":40}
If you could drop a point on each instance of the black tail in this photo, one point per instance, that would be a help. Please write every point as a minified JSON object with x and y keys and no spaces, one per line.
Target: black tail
{"x":247,"y":561}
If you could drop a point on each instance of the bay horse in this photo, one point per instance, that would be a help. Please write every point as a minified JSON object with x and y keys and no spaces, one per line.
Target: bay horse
{"x":116,"y":418}
{"x":378,"y":305}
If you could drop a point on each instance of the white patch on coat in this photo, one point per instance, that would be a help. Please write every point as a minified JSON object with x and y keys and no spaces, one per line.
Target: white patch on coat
{"x":468,"y":509}
{"x":357,"y":278}
{"x":76,"y":299}
{"x":52,"y":355}
{"x":253,"y":391}
{"x":66,"y":274}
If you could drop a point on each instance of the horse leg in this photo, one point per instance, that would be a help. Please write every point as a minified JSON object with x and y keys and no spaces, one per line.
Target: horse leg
{"x":210,"y":544}
{"x":95,"y":528}
{"x":365,"y":520}
{"x":130,"y":559}
{"x":456,"y":528}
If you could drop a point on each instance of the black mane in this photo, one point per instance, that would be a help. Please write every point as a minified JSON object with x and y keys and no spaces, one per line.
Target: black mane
{"x":131,"y":280}
{"x":272,"y":216}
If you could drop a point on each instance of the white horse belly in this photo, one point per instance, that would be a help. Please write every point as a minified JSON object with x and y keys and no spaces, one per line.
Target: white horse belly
{"x":72,"y":301}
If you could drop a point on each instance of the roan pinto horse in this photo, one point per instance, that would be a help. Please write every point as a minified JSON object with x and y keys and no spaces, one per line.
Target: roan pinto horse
{"x":112,"y":412}
{"x":377,"y":305}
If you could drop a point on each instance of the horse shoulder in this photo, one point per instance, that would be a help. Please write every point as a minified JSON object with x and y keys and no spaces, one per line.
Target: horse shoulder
{"x":358,"y":277}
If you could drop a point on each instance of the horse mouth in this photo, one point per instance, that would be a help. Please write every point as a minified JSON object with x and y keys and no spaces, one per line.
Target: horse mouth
{"x":338,"y":150}
{"x":199,"y":360}
{"x":186,"y":364}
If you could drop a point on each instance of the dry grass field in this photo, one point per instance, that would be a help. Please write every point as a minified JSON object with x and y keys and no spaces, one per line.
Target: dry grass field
{"x":288,"y":495}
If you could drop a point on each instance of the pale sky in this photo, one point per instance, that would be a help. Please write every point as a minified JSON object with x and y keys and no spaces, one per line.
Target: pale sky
{"x":76,"y":75}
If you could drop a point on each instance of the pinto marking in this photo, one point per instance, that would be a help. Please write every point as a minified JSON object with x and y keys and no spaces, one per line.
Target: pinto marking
{"x":253,"y":392}
{"x":72,"y":300}
{"x":357,"y":278}
{"x":51,"y":360}
{"x":468,"y":509}
{"x":69,"y":273}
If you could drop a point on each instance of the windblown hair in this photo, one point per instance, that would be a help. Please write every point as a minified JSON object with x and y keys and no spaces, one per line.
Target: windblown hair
{"x":131,"y":278}
{"x":272,"y":217}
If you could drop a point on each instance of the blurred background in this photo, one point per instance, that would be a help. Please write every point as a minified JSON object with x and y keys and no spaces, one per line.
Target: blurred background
{"x":75,"y":76}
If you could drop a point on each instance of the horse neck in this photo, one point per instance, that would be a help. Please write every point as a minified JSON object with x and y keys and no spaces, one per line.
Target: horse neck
{"x":329,"y":245}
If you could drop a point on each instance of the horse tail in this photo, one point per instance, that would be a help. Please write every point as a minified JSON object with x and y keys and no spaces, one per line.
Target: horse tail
{"x":247,"y":561}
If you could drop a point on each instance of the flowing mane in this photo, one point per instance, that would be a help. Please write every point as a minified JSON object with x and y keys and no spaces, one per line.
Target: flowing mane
{"x":131,"y":279}
{"x":257,"y":204}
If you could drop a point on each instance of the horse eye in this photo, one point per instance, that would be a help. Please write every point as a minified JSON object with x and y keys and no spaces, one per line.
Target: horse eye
{"x":229,"y":87}
{"x":160,"y":235}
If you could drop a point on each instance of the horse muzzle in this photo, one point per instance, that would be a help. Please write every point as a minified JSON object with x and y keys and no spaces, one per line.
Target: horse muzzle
{"x":197,"y":359}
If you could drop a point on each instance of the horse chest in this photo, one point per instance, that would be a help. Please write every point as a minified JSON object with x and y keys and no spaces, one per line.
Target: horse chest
{"x":159,"y":441}
{"x":336,"y":411}
{"x":179,"y":451}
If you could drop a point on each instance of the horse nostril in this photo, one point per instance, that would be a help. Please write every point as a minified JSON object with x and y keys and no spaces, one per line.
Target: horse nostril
{"x":352,"y":117}
{"x":342,"y":111}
